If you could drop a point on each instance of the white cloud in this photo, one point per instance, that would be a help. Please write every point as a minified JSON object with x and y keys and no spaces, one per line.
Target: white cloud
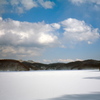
{"x":68,"y":60}
{"x":77,"y":31}
{"x":60,"y":60}
{"x":96,"y":3}
{"x":28,"y":4}
{"x":85,"y":1}
{"x":20,"y":6}
{"x":65,"y":60}
{"x":16,"y":36}
{"x":22,"y":39}
{"x":46,"y":38}
{"x":25,"y":33}
{"x":47,"y":61}
{"x":56,"y":25}
{"x":19,"y":52}
{"x":46,"y":4}
{"x":77,"y":1}
{"x":2,"y":6}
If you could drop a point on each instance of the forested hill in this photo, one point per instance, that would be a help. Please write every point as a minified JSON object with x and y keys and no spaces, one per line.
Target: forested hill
{"x":16,"y":65}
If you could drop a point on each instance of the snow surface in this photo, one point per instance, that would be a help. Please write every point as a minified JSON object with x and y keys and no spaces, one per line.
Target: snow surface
{"x":50,"y":85}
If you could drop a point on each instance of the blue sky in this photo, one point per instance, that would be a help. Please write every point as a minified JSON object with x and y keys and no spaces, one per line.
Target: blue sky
{"x":50,"y":30}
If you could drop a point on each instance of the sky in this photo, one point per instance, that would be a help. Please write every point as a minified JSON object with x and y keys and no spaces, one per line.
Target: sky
{"x":50,"y":30}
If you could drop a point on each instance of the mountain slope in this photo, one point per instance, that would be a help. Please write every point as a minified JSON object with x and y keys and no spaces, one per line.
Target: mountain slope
{"x":12,"y":65}
{"x":15,"y":65}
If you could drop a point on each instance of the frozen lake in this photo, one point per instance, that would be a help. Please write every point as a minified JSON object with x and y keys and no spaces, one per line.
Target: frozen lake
{"x":50,"y":85}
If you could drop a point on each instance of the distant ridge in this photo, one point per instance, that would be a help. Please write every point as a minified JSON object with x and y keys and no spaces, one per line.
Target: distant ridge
{"x":12,"y":65}
{"x":16,"y":65}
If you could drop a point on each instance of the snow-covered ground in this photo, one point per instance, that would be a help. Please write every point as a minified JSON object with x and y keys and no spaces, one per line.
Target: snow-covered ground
{"x":50,"y":85}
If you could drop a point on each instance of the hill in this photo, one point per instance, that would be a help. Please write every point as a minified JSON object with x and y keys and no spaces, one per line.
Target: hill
{"x":86,"y":64}
{"x":12,"y":65}
{"x":15,"y":65}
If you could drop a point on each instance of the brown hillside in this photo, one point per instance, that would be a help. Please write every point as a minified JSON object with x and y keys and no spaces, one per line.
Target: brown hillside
{"x":12,"y":65}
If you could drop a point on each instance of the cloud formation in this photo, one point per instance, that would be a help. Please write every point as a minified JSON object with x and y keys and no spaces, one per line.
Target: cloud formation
{"x":60,"y":60}
{"x":46,"y":4}
{"x":20,"y":6}
{"x":95,"y":3}
{"x":17,"y":37}
{"x":22,"y":39}
{"x":2,"y":6}
{"x":78,"y":31}
{"x":85,"y":1}
{"x":24,"y":33}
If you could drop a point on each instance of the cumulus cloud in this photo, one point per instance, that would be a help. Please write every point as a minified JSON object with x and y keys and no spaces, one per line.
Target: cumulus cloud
{"x":20,"y":6}
{"x":24,"y":33}
{"x":16,"y":36}
{"x":22,"y":39}
{"x":78,"y":31}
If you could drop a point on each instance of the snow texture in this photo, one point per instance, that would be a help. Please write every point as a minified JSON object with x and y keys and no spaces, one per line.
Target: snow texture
{"x":50,"y":85}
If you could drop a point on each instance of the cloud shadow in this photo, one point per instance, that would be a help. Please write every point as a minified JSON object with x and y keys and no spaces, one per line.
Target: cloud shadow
{"x":92,"y":96}
{"x":98,"y":78}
